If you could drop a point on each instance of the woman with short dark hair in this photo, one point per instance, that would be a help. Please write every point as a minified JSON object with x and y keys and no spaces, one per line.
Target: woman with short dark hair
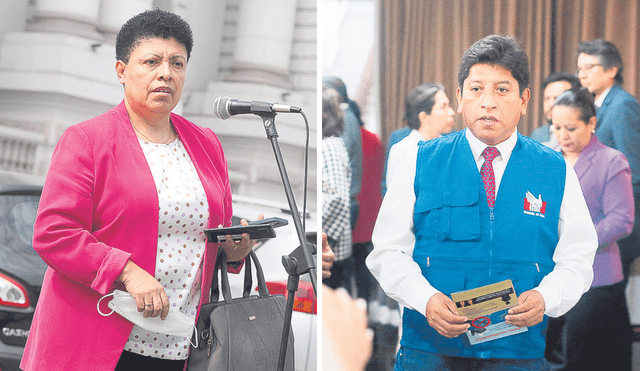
{"x":124,"y":207}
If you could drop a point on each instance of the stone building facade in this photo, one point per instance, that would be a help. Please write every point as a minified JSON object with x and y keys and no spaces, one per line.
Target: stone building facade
{"x":57,"y":68}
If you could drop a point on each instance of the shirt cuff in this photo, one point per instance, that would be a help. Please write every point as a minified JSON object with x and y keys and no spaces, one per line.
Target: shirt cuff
{"x":551,"y":300}
{"x":110,"y":270}
{"x":419,"y":295}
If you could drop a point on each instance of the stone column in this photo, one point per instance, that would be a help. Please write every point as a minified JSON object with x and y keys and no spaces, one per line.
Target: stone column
{"x":114,"y":13}
{"x":75,"y":17}
{"x":207,"y":19}
{"x":263,"y":45}
{"x":13,"y":17}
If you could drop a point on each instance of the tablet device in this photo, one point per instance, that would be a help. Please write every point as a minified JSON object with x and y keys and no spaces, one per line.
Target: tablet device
{"x":256,"y":232}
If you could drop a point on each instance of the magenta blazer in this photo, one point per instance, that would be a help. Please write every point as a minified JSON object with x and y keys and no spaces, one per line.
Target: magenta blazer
{"x":605,"y":178}
{"x":99,"y":208}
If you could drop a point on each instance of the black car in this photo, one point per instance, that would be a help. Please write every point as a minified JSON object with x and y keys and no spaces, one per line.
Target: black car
{"x":21,"y":270}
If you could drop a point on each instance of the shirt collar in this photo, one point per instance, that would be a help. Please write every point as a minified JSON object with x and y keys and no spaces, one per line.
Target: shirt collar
{"x":415,"y":134}
{"x":505,"y":147}
{"x":600,"y":100}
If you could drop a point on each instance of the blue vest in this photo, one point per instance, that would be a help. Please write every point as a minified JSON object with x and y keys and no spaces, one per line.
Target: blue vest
{"x":461,"y":244}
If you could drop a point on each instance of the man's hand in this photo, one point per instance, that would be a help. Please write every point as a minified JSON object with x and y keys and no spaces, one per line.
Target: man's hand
{"x":529,"y":312}
{"x":442,"y":316}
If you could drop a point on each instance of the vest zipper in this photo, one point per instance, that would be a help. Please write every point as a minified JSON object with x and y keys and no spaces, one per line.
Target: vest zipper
{"x":537,"y":267}
{"x":491,"y":218}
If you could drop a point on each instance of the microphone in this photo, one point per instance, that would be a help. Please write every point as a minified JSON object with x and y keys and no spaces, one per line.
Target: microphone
{"x":225,"y":107}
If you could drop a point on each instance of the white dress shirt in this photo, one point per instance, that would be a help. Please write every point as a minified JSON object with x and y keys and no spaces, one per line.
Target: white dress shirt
{"x":598,"y":102}
{"x":399,"y":150}
{"x":391,"y":260}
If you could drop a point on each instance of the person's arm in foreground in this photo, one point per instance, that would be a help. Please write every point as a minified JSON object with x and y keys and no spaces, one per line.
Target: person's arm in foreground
{"x":347,"y":342}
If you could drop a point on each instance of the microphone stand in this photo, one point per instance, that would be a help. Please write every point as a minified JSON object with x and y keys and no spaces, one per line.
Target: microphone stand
{"x":300,"y":261}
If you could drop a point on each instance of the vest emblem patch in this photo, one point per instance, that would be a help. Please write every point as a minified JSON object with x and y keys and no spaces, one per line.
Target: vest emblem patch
{"x":534,"y":206}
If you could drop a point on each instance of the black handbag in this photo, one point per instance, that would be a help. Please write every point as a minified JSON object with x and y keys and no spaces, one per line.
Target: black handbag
{"x":241,"y":334}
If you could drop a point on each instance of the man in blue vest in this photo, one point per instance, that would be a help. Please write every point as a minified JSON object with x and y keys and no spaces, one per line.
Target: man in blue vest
{"x":479,"y":207}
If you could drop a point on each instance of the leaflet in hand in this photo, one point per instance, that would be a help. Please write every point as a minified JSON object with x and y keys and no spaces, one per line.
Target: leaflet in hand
{"x":486,"y":308}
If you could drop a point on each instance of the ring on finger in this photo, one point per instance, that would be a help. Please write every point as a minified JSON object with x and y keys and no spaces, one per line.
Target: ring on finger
{"x":148,"y":305}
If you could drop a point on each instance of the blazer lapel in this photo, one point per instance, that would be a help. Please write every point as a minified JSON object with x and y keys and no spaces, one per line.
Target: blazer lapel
{"x":209,"y":166}
{"x":611,"y":96}
{"x":586,"y":158}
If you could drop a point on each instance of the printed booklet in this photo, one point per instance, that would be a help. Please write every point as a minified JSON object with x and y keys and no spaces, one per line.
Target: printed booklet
{"x":487,"y":306}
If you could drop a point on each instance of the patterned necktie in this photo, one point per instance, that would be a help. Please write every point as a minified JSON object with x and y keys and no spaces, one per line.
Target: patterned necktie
{"x":488,"y":177}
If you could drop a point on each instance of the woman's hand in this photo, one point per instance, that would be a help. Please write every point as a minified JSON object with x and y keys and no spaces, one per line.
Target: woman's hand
{"x":149,"y":294}
{"x":327,"y":257}
{"x":238,"y":250}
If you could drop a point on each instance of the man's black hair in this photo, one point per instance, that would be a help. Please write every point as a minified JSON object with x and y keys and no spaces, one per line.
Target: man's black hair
{"x":607,"y":54}
{"x":497,"y":50}
{"x":562,"y":76}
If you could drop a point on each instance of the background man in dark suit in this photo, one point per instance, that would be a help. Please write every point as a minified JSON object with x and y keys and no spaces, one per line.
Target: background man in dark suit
{"x":618,"y":113}
{"x":552,"y":86}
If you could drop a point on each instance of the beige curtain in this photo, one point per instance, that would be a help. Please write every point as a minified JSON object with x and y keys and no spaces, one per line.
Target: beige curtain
{"x":423,"y":40}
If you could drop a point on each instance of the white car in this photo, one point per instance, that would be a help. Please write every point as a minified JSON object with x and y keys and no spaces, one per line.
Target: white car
{"x":269,"y":253}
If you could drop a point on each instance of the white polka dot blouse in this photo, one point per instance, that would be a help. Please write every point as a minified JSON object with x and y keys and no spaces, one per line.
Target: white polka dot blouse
{"x":183,"y":216}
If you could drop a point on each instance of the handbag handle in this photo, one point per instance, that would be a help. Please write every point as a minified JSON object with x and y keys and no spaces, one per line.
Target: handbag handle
{"x":248,"y":280}
{"x":221,"y":261}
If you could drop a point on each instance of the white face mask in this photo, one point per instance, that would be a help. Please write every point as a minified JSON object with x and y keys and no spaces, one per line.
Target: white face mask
{"x":176,"y":323}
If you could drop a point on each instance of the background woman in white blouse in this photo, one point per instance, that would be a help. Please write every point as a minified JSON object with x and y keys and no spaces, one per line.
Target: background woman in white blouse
{"x":125,"y":204}
{"x":428,"y":113}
